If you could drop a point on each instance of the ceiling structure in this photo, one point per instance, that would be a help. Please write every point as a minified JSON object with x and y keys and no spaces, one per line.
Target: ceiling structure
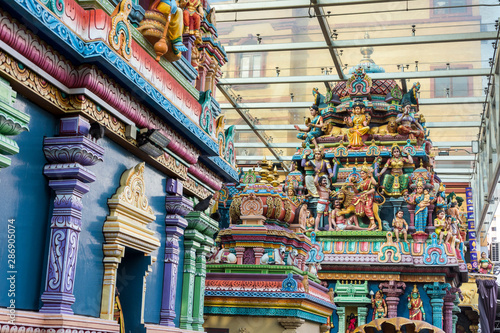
{"x":280,"y":50}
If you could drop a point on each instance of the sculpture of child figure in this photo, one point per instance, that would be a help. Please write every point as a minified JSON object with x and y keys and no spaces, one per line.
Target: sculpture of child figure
{"x":400,"y":226}
{"x":426,"y":202}
{"x":453,"y":233}
{"x":440,"y":224}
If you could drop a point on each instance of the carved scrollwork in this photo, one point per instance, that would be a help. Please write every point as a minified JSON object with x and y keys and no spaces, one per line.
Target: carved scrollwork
{"x":251,"y":205}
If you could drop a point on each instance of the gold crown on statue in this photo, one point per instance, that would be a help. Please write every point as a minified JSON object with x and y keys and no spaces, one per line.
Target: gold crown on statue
{"x":366,"y":168}
{"x":415,"y":289}
{"x":420,"y":182}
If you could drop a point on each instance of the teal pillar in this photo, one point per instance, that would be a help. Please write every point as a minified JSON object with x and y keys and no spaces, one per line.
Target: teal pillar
{"x":341,"y":314}
{"x":362,"y":313}
{"x":190,"y":248}
{"x":436,"y":292}
{"x":12,"y":122}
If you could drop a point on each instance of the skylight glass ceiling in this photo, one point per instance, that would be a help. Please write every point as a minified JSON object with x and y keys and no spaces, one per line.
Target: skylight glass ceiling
{"x":448,"y":51}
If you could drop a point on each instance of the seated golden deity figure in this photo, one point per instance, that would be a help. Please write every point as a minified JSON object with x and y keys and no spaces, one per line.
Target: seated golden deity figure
{"x":358,"y":123}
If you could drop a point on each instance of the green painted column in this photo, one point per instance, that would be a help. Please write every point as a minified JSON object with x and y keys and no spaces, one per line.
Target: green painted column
{"x":362,"y":313}
{"x":341,"y":314}
{"x":201,"y":229}
{"x":199,"y":288}
{"x":190,"y":248}
{"x":12,"y":122}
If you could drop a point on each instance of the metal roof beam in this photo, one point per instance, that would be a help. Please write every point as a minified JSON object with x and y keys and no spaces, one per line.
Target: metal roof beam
{"x":368,"y":42}
{"x":325,"y":29}
{"x":374,"y":76}
{"x":288,"y":4}
{"x":277,"y":127}
{"x":304,"y":105}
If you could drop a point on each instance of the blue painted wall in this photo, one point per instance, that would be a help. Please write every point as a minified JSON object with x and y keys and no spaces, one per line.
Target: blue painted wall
{"x":29,"y":202}
{"x":27,"y":199}
{"x":403,"y":310}
{"x":90,"y":269}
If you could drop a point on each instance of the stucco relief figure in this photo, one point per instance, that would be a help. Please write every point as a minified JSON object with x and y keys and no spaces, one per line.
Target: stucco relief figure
{"x":440,"y":225}
{"x":400,"y":226}
{"x":322,"y":207}
{"x":313,"y":129}
{"x":415,"y":199}
{"x":193,"y":14}
{"x":365,"y":192}
{"x":339,"y":222}
{"x":407,"y":125}
{"x":317,"y":165}
{"x":358,"y":123}
{"x":396,"y":182}
{"x":379,"y":305}
{"x":485,"y":265}
{"x":415,"y":305}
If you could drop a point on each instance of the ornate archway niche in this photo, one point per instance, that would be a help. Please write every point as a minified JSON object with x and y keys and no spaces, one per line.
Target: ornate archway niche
{"x":126,"y":226}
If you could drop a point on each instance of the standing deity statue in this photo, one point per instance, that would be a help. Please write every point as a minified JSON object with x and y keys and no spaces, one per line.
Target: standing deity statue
{"x":358,"y":123}
{"x":313,"y":129}
{"x":415,"y":199}
{"x":365,"y":193}
{"x":318,"y":165}
{"x":415,"y":305}
{"x":399,"y":225}
{"x":396,"y":183}
{"x":379,"y":305}
{"x":322,"y":207}
{"x":440,"y":225}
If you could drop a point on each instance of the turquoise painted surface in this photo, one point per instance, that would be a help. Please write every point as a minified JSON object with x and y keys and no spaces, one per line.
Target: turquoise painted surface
{"x":90,"y":269}
{"x":27,"y":199}
{"x":403,"y":310}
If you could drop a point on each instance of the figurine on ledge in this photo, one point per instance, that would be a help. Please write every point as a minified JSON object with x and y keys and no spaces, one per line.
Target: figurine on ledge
{"x":379,"y":305}
{"x":405,"y":122}
{"x":339,"y":222}
{"x":396,"y":183}
{"x":313,"y":129}
{"x":365,"y":192}
{"x":359,"y":125}
{"x":322,"y":207}
{"x":400,"y":226}
{"x":440,"y":225}
{"x":319,"y":165}
{"x":415,"y":305}
{"x":485,"y":265}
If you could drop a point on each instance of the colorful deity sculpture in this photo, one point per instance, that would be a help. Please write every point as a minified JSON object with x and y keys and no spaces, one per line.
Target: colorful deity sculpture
{"x":318,"y":165}
{"x":400,"y":226}
{"x":338,"y":220}
{"x":313,"y":129}
{"x":396,"y":183}
{"x":416,"y":199}
{"x":365,"y":192}
{"x":379,"y":305}
{"x":323,"y":204}
{"x":453,"y":232}
{"x":358,"y":123}
{"x":415,"y":305}
{"x":193,"y":14}
{"x":407,"y":124}
{"x":440,"y":225}
{"x":485,"y":265}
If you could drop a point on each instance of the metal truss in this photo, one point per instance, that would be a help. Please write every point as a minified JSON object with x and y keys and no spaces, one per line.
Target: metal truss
{"x":369,"y":42}
{"x":437,"y":144}
{"x":374,"y":76}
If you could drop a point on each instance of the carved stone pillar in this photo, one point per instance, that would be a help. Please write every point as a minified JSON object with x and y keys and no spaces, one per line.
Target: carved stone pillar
{"x":113,"y":254}
{"x":68,"y":155}
{"x":436,"y":291}
{"x":341,"y":314}
{"x":177,"y":207}
{"x":411,"y":225}
{"x":456,"y":311}
{"x":199,"y":287}
{"x":190,"y":248}
{"x":449,"y":298}
{"x":430,"y":223}
{"x":393,"y":290}
{"x":291,"y":324}
{"x":362,"y":313}
{"x":239,"y":255}
{"x":188,"y":41}
{"x":258,"y":252}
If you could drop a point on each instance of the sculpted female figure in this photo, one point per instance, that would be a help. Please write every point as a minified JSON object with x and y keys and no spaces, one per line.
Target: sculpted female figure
{"x":415,"y":305}
{"x":416,"y":199}
{"x":359,"y":125}
{"x":313,"y":129}
{"x":379,"y":306}
{"x":396,"y":182}
{"x":365,"y":192}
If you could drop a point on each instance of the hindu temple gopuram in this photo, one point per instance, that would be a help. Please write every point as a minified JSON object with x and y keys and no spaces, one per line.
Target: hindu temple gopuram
{"x":124,"y":209}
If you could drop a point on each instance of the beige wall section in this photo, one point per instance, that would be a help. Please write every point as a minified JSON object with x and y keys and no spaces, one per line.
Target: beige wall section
{"x":308,"y":327}
{"x":254,"y":324}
